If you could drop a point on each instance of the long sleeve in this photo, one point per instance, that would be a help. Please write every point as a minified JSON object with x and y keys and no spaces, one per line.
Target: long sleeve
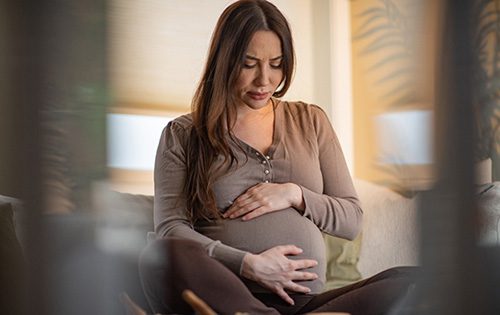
{"x":337,"y":210}
{"x":170,"y":215}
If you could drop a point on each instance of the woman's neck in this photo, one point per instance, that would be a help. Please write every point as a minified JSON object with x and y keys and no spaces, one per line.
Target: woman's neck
{"x":256,"y":127}
{"x":246,"y":114}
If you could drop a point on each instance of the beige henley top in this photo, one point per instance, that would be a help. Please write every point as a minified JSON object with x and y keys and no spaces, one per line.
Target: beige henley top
{"x":305,"y":151}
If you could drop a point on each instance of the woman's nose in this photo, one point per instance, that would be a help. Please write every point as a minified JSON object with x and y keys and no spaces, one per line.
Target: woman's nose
{"x":263,"y":76}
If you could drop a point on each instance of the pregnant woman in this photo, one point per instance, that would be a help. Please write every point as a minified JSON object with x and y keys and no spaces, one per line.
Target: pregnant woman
{"x":246,"y":183}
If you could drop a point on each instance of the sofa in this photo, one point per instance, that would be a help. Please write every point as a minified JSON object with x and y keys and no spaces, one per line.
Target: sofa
{"x":118,"y":227}
{"x":389,"y":235}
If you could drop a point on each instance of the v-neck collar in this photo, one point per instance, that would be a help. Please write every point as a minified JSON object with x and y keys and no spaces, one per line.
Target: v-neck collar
{"x":277,"y":132}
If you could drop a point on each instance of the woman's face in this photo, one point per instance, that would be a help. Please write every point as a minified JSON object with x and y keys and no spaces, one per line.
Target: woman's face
{"x":261,"y":72}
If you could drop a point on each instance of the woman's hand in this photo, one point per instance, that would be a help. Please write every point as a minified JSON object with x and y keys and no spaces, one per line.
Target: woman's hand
{"x":263,"y":198}
{"x":274,"y":271}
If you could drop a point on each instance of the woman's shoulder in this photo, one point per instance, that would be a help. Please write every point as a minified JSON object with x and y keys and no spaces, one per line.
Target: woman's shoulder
{"x":184,"y":122}
{"x":178,"y":128}
{"x":302,"y":109}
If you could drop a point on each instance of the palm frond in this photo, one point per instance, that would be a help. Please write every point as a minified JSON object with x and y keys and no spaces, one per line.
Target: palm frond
{"x":385,"y":29}
{"x":396,"y":74}
{"x":374,"y":30}
{"x":482,"y":9}
{"x":407,"y":98}
{"x":383,"y":42}
{"x":372,"y":10}
{"x":371,"y":20}
{"x":484,"y":16}
{"x":487,"y":76}
{"x":402,"y":87}
{"x":389,"y":59}
{"x":484,"y":30}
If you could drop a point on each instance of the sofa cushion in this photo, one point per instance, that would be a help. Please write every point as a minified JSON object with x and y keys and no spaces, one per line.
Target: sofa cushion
{"x":18,"y":218}
{"x":390,"y":229}
{"x":489,"y":205}
{"x":12,"y":270}
{"x":124,"y":221}
{"x":342,"y":261}
{"x":8,"y":236}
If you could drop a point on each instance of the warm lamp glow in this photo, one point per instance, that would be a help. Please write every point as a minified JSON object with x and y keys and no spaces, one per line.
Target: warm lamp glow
{"x":133,"y":140}
{"x":405,"y":137}
{"x":405,"y":148}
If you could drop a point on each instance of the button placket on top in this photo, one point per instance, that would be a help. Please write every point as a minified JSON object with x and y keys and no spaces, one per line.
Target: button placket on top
{"x":266,"y":163}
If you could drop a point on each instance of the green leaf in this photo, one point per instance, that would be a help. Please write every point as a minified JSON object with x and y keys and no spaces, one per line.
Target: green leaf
{"x":403,"y":87}
{"x":486,"y":15}
{"x":482,"y":8}
{"x":388,"y":59}
{"x":374,"y":30}
{"x":481,"y":47}
{"x":371,"y":11}
{"x":382,"y":42}
{"x":397,"y":73}
{"x":407,"y":98}
{"x":371,"y":20}
{"x":485,"y":30}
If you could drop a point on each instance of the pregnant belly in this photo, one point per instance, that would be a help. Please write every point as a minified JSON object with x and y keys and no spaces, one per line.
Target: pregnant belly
{"x":285,"y":227}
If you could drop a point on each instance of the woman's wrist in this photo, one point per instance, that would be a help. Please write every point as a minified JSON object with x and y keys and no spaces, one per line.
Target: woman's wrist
{"x":296,"y":197}
{"x":247,"y":266}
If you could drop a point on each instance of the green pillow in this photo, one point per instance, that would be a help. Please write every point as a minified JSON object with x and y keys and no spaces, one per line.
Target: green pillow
{"x":342,"y":258}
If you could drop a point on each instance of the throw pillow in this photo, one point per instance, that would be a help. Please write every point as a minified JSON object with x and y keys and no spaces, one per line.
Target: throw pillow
{"x":342,"y":259}
{"x":12,"y":269}
{"x":489,"y":205}
{"x":125,"y":220}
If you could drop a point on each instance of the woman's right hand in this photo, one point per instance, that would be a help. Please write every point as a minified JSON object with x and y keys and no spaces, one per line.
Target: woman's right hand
{"x":276,"y":272}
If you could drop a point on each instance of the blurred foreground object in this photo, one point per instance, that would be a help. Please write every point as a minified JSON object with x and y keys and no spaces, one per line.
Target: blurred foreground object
{"x":459,"y":276}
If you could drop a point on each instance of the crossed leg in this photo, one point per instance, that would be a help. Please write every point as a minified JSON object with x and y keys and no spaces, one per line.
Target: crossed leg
{"x":170,"y":266}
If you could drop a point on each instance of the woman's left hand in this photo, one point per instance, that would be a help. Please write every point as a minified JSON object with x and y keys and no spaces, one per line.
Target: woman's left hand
{"x":264,"y":198}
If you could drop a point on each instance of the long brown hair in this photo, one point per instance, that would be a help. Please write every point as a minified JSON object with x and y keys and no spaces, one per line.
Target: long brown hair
{"x":213,"y":107}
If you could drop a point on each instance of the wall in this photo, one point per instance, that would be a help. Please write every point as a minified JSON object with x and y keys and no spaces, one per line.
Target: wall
{"x":157,"y":49}
{"x":393,"y":70}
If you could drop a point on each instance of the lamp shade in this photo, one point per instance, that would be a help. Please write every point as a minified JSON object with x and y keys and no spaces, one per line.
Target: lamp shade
{"x":133,"y":140}
{"x":405,"y":137}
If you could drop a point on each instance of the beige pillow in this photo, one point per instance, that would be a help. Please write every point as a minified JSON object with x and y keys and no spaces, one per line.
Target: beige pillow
{"x":489,"y":205}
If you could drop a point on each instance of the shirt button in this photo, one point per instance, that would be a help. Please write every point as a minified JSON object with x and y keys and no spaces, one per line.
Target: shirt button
{"x":268,"y":157}
{"x":264,"y":162}
{"x":266,"y":181}
{"x":257,"y":153}
{"x":266,"y":171}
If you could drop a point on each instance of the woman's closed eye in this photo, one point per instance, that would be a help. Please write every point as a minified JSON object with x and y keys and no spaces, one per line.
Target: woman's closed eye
{"x":253,"y":65}
{"x":249,"y":65}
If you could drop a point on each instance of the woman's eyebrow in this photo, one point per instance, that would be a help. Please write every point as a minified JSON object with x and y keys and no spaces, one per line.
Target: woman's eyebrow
{"x":257,"y":59}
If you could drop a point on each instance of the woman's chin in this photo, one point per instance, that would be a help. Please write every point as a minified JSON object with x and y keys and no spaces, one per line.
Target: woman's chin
{"x":257,"y":104}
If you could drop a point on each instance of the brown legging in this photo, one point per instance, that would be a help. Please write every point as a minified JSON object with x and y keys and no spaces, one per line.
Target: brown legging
{"x":169,"y":266}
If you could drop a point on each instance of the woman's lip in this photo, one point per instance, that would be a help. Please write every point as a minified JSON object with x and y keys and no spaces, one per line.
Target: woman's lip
{"x":258,"y":96}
